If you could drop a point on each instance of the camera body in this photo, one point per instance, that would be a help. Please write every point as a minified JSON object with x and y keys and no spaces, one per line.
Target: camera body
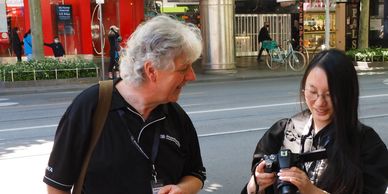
{"x":286,"y":159}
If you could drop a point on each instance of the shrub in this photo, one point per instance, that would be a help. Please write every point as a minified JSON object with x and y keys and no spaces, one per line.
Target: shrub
{"x":368,"y":54}
{"x":48,"y":69}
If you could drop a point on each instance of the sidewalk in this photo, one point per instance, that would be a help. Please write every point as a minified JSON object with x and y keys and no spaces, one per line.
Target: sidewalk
{"x":246,"y":67}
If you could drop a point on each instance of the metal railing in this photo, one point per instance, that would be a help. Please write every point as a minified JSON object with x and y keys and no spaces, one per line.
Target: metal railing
{"x":47,"y":74}
{"x":247,"y":27}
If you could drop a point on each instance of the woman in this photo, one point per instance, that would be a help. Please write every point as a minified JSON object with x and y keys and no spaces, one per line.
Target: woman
{"x":16,"y":44}
{"x":27,"y":40}
{"x":357,"y":159}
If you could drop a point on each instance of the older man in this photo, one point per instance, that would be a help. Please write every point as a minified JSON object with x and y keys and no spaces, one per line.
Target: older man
{"x":147,"y":136}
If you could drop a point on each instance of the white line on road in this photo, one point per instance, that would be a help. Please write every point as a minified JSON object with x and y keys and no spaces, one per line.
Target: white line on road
{"x":26,"y":128}
{"x":3,"y":99}
{"x":241,"y":108}
{"x":219,"y":110}
{"x":8,"y":103}
{"x":374,"y":96}
{"x":233,"y":132}
{"x":203,"y":135}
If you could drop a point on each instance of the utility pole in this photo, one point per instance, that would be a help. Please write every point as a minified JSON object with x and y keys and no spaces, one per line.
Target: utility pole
{"x":36,"y":29}
{"x":363,"y":34}
{"x":102,"y":38}
{"x":327,"y":24}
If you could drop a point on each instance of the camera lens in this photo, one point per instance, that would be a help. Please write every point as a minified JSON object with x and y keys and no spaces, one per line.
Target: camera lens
{"x":287,"y":188}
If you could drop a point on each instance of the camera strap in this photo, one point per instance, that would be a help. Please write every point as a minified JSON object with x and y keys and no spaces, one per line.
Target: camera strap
{"x":313,"y":155}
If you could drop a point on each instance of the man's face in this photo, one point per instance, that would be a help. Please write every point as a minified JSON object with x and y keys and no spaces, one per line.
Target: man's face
{"x":171,"y":82}
{"x":266,"y":24}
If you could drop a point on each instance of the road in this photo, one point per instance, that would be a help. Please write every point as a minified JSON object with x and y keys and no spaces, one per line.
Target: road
{"x":230,"y":117}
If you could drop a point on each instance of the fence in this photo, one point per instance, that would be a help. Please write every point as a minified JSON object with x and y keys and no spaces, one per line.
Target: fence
{"x":247,"y":27}
{"x":49,"y":74}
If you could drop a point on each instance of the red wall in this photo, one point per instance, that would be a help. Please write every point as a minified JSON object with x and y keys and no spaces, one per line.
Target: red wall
{"x":131,"y":13}
{"x":85,"y":17}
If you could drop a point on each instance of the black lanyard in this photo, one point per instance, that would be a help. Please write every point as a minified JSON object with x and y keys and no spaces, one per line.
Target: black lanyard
{"x":155,"y":145}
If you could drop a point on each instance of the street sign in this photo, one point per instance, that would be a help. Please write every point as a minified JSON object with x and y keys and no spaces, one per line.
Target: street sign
{"x":100,"y":1}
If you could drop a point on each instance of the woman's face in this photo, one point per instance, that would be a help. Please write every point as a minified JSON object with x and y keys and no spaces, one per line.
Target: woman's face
{"x":317,"y":96}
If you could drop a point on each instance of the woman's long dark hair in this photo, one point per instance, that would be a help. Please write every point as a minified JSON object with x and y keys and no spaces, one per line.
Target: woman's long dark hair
{"x":343,"y":173}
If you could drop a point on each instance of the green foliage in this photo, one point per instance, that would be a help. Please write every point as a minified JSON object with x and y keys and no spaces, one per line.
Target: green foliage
{"x":47,"y":69}
{"x":368,"y":54}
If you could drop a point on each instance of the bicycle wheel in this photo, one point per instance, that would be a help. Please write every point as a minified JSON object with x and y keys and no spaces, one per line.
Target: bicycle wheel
{"x":272,"y":59}
{"x":297,"y":61}
{"x":305,"y":52}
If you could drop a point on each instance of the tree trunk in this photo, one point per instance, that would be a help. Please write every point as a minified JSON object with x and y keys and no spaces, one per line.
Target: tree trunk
{"x":363,"y":34}
{"x":36,"y":29}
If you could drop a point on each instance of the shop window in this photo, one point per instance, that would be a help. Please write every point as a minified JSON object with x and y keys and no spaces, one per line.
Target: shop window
{"x":110,"y":17}
{"x":13,"y":17}
{"x":65,"y":25}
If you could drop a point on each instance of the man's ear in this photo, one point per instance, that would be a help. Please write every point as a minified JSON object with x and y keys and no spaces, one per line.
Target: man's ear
{"x":150,"y":71}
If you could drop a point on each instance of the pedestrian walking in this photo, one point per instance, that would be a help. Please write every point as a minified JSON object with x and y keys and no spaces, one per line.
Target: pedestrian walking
{"x":148,"y":143}
{"x":16,"y":44}
{"x":295,"y":35}
{"x":114,"y":39}
{"x":27,"y":40}
{"x":355,"y":159}
{"x":263,"y":35}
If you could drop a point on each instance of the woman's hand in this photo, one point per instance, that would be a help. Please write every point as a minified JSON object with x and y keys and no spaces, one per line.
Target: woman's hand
{"x":299,"y":178}
{"x":263,"y":179}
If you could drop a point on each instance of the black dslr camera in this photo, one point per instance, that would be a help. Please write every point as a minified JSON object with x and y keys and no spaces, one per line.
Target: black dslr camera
{"x":286,"y":159}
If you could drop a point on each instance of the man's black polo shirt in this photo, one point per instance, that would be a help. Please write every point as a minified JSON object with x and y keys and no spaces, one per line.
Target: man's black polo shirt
{"x":116,"y":165}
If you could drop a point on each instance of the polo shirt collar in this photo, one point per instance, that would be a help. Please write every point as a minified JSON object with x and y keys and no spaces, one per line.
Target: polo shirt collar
{"x":118,"y":102}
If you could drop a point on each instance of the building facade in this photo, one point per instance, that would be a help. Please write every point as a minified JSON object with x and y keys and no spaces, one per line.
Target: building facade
{"x":75,"y":22}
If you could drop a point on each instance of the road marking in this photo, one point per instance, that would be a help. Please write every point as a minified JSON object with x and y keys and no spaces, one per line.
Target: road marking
{"x":266,"y":106}
{"x":219,"y":110}
{"x":233,"y":132}
{"x":265,"y":128}
{"x":27,"y":128}
{"x":203,"y":135}
{"x":241,"y":108}
{"x":374,"y":96}
{"x":385,"y":81}
{"x":8,"y":103}
{"x":212,"y":187}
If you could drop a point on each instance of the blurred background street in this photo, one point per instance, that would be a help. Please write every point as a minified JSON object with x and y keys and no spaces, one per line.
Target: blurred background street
{"x":230,"y":114}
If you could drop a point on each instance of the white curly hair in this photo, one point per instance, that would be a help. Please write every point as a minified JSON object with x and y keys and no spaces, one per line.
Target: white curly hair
{"x":159,"y":41}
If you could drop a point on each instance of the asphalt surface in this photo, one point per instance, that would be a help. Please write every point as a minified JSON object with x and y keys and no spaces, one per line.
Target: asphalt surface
{"x":246,"y":68}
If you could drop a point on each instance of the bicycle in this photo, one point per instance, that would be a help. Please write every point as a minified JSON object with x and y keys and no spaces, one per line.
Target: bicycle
{"x":277,"y":56}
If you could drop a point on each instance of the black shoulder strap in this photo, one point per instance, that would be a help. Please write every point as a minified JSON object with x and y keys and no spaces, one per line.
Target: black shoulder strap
{"x":99,"y":117}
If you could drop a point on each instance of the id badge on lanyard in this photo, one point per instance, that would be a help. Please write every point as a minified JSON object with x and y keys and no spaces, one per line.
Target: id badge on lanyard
{"x":156,"y":184}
